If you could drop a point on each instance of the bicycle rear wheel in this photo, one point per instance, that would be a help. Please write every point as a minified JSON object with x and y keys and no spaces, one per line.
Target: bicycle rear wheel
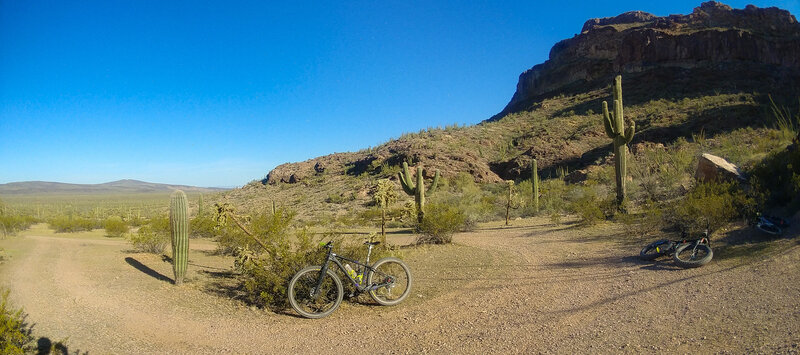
{"x":394,"y":278}
{"x":655,"y":249}
{"x":687,"y":255}
{"x":769,"y":228}
{"x":327,"y":299}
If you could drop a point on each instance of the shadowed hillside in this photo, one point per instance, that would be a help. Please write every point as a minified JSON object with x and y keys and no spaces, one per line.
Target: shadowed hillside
{"x":707,"y":73}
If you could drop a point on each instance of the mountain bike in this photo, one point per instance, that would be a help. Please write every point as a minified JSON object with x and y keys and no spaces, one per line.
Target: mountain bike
{"x":316,"y":291}
{"x":685,"y":252}
{"x":770,"y":225}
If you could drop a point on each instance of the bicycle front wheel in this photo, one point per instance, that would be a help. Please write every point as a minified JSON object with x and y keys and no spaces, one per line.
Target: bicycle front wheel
{"x":324,"y":302}
{"x":687,"y":255}
{"x":391,"y":279}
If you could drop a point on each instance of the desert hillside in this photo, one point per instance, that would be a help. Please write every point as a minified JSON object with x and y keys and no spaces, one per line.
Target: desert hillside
{"x":710,"y":72}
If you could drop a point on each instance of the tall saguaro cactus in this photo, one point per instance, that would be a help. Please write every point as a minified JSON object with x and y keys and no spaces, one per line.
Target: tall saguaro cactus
{"x":535,"y":185}
{"x":418,"y":190}
{"x":179,"y":227}
{"x":613,"y":122}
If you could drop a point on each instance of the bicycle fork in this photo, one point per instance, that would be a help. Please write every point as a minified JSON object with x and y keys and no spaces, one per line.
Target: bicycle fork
{"x":322,"y":272}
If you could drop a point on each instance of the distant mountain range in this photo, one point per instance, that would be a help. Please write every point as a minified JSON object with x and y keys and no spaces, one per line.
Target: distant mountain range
{"x":114,"y":187}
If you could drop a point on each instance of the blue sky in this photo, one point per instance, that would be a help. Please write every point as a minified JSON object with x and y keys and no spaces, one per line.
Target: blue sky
{"x":217,"y":93}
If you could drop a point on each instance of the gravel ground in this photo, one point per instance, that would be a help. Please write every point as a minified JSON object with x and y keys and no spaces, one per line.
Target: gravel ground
{"x":530,"y":288}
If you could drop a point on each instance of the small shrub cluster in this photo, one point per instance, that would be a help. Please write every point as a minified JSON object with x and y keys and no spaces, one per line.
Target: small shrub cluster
{"x":778,"y":178}
{"x":13,"y":223}
{"x":203,"y":226}
{"x":266,"y":226}
{"x":588,"y":206}
{"x":265,"y":272}
{"x":115,"y":226}
{"x":15,"y":332}
{"x":709,"y":205}
{"x":152,"y":237}
{"x":440,"y":223}
{"x":71,"y":224}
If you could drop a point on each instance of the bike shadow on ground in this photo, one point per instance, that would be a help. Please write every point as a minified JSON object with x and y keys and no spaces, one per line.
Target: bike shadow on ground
{"x":147,"y":270}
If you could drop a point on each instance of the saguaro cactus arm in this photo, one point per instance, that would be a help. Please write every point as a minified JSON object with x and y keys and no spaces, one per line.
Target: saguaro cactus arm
{"x":435,"y":183}
{"x":405,"y":180}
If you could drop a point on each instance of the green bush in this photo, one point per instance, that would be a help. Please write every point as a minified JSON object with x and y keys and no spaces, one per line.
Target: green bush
{"x":587,"y":207}
{"x":266,"y":226}
{"x":265,"y":276}
{"x":115,"y":226}
{"x":709,"y":205}
{"x":203,"y":226}
{"x":13,"y":223}
{"x":265,"y":273}
{"x":15,"y":332}
{"x":440,"y":223}
{"x":71,"y":224}
{"x":152,"y":237}
{"x":778,"y":178}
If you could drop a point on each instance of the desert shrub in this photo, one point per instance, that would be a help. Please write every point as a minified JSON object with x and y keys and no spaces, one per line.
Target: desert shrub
{"x":152,"y":237}
{"x":264,"y":276}
{"x":15,"y":332}
{"x":441,"y":221}
{"x":587,"y":206}
{"x":553,"y":196}
{"x":265,"y":272}
{"x":115,"y":226}
{"x":649,"y":219}
{"x":266,"y":226}
{"x":71,"y":223}
{"x":778,"y":178}
{"x":11,"y":223}
{"x":709,"y":205}
{"x":202,"y":226}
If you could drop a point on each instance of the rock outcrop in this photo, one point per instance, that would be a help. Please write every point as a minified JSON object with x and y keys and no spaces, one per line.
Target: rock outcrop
{"x":713,"y":35}
{"x":713,"y":168}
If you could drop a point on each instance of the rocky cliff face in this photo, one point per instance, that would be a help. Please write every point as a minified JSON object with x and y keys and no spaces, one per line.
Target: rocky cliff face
{"x":713,"y":35}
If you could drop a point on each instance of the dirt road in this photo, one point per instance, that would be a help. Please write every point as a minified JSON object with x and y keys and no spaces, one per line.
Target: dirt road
{"x":531,"y":288}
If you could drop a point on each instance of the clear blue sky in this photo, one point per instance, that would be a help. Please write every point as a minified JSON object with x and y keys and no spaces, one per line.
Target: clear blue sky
{"x":217,"y":93}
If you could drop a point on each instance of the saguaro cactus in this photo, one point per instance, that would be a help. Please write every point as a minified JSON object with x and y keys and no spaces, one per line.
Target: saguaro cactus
{"x":535,"y":185}
{"x":418,"y":190}
{"x":614,"y":126}
{"x":179,"y":227}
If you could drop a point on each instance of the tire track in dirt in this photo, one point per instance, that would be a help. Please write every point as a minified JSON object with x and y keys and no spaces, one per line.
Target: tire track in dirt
{"x":538,"y":288}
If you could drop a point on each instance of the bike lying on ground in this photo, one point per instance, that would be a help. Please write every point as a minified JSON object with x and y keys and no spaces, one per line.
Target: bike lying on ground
{"x":770,"y":225}
{"x":686,"y":252}
{"x":316,"y":291}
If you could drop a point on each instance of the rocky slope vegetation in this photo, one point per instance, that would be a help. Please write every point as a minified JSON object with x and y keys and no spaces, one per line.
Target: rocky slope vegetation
{"x":710,"y":71}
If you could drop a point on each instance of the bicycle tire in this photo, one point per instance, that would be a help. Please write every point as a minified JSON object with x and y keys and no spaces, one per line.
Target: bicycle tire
{"x":769,"y":229}
{"x":398,"y":290}
{"x":655,"y":249}
{"x":687,"y":256}
{"x":327,"y":301}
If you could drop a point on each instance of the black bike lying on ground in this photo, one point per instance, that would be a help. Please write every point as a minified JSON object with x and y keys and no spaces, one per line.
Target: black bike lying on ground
{"x":316,"y":291}
{"x":769,"y":224}
{"x":685,"y":252}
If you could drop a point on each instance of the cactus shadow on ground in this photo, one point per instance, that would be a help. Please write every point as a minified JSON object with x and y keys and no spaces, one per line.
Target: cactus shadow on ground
{"x":147,"y":270}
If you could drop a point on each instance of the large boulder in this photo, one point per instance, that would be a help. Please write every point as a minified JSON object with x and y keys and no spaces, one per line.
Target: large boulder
{"x":713,"y":168}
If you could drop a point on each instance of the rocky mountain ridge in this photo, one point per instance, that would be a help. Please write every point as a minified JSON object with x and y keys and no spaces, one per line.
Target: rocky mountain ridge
{"x":713,"y":36}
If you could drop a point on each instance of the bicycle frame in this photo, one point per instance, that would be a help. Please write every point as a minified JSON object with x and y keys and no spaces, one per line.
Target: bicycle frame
{"x":364,"y":268}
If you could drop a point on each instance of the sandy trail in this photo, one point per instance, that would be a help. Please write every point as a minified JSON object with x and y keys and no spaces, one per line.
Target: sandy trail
{"x":537,"y":288}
